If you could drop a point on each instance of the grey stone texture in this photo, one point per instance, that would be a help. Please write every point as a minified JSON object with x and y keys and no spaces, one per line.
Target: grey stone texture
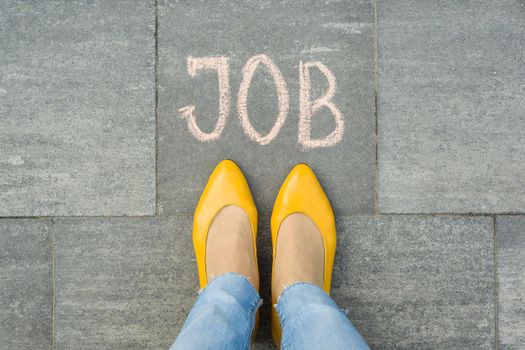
{"x":129,"y":283}
{"x":510,"y":235}
{"x":413,"y":282}
{"x":25,"y":284}
{"x":90,"y":128}
{"x":123,"y":283}
{"x":409,"y":282}
{"x":337,"y":33}
{"x":451,"y":105}
{"x":77,"y":91}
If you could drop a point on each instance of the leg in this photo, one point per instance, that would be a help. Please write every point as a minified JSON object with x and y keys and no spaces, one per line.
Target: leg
{"x":304,"y":241}
{"x":311,"y":320}
{"x":224,"y":232}
{"x":223,"y":316}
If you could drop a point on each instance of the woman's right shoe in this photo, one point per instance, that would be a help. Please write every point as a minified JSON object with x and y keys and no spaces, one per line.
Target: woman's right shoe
{"x":301,"y":193}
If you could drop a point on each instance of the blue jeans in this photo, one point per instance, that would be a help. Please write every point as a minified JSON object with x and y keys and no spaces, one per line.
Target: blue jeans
{"x":223,"y":317}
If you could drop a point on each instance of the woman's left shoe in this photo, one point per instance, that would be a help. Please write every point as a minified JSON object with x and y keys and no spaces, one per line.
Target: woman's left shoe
{"x":226,"y":186}
{"x":225,"y":227}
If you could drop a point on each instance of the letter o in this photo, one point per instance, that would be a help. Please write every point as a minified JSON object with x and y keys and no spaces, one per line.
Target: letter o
{"x":242,"y":98}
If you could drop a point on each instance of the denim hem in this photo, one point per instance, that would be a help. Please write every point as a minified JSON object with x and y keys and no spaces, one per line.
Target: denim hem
{"x":258,"y":301}
{"x":223,"y":294}
{"x":276,"y":305}
{"x":278,"y":308}
{"x":234,"y":274}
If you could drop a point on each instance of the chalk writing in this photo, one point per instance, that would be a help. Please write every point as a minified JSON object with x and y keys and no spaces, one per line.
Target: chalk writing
{"x":307,"y":107}
{"x":220,"y":64}
{"x":242,"y":98}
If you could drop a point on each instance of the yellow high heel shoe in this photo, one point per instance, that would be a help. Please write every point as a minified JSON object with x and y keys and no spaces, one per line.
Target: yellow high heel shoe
{"x":302,"y":193}
{"x":226,"y":186}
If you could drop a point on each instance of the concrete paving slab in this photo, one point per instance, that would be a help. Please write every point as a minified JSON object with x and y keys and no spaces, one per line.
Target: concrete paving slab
{"x":77,"y":86}
{"x":129,"y":283}
{"x":450,"y":106}
{"x":123,"y":283}
{"x":409,"y":282}
{"x":26,"y":285}
{"x":510,"y":235}
{"x":234,"y":35}
{"x":418,"y":282}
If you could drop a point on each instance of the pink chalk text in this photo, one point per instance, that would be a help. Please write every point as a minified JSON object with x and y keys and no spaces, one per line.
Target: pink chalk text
{"x":307,"y":107}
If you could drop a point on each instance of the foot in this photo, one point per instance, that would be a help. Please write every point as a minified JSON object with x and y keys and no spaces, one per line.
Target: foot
{"x":299,"y":255}
{"x":229,"y":247}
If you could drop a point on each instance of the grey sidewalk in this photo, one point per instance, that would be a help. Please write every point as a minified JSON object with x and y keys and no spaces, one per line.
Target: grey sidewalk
{"x":100,"y":173}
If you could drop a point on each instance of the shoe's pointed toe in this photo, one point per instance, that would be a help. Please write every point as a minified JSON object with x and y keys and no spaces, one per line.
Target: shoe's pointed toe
{"x":226,"y":183}
{"x":302,"y":192}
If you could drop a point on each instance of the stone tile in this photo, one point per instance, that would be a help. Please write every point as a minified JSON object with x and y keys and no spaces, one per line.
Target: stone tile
{"x":338,"y":34}
{"x":410,"y":282}
{"x":77,"y":86}
{"x":413,"y":282}
{"x":510,"y":235}
{"x":123,"y":283}
{"x":450,"y":105}
{"x":25,"y":284}
{"x":129,"y":283}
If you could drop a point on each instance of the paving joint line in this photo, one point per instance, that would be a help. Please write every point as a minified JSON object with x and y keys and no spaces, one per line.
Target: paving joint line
{"x":156,"y":107}
{"x":46,"y":217}
{"x":174,"y":215}
{"x":376,"y":90}
{"x":495,"y":283}
{"x":53,"y":286}
{"x":450,"y":214}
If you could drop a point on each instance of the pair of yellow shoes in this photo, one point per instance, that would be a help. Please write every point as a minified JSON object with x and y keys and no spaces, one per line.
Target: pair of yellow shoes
{"x":300,"y":193}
